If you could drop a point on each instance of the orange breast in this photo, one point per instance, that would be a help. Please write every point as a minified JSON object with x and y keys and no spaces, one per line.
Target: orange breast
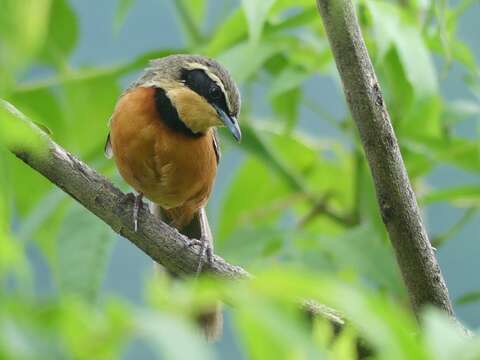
{"x":170,"y":168}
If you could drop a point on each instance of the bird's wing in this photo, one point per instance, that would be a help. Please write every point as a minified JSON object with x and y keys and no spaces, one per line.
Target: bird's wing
{"x":216,"y":145}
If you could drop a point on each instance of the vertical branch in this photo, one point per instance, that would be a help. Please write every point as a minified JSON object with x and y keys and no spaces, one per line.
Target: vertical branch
{"x":396,"y":199}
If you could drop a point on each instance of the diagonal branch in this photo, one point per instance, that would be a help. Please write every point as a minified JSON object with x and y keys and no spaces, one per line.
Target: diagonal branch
{"x":162,"y":243}
{"x":396,"y":199}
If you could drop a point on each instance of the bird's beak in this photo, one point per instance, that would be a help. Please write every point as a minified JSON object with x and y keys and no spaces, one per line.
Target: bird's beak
{"x":230,"y":122}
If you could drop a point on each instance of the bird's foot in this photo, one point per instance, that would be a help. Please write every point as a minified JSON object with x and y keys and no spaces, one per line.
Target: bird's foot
{"x":205,"y":251}
{"x":137,"y":203}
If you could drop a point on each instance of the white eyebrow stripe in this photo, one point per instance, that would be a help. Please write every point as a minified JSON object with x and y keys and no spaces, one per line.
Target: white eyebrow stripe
{"x":215,"y":78}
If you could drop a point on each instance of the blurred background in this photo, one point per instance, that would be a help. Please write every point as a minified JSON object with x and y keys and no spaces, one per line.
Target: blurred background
{"x":293,"y":203}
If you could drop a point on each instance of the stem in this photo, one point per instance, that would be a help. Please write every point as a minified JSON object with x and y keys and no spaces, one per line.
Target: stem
{"x":396,"y":199}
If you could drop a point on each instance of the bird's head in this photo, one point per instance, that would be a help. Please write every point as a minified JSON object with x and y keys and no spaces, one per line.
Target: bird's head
{"x":195,"y":90}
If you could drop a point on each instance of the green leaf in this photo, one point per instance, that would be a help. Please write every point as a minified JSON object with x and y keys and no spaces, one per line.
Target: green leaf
{"x":256,"y":13}
{"x":84,"y":244}
{"x":230,"y":32}
{"x":288,"y":79}
{"x":171,"y":338}
{"x":245,"y":59}
{"x":468,"y":298}
{"x":466,"y":195}
{"x":123,"y":6}
{"x":394,"y":28}
{"x":262,"y":188}
{"x":23,"y":28}
{"x":62,"y":34}
{"x":446,"y":339}
{"x":87,"y":125}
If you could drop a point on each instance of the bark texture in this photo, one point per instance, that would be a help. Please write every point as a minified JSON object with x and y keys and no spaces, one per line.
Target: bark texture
{"x":396,"y":199}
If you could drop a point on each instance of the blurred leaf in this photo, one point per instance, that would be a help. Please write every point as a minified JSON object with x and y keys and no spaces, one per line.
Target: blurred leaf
{"x":288,"y":79}
{"x":231,"y":31}
{"x":245,"y":59}
{"x":171,"y":338}
{"x":460,"y":110}
{"x":256,"y":13}
{"x":246,"y":194}
{"x":91,"y":332}
{"x":286,"y":105}
{"x":88,"y":106}
{"x":23,"y":28}
{"x":190,"y":15}
{"x":447,"y":340}
{"x":393,"y":27}
{"x":459,"y":152}
{"x":270,"y":330}
{"x":466,"y":195}
{"x":345,"y":345}
{"x":123,"y":7}
{"x":359,"y":251}
{"x":468,"y":298}
{"x":62,"y":33}
{"x":84,"y":244}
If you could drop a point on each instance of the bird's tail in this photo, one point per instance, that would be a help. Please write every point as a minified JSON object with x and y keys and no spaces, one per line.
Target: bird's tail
{"x":209,"y":320}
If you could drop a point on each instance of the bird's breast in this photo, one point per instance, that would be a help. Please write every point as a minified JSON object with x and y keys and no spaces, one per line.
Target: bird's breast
{"x":170,"y":168}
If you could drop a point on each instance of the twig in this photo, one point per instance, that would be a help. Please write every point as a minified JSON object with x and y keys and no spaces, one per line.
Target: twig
{"x":397,"y":202}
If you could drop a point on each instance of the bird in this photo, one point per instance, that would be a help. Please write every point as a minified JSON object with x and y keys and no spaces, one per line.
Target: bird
{"x":164,"y":141}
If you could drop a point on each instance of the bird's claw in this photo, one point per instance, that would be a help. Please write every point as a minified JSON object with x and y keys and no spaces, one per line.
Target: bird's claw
{"x":205,"y":250}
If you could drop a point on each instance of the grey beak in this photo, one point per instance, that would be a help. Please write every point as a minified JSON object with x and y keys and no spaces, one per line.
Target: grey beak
{"x":231,"y":123}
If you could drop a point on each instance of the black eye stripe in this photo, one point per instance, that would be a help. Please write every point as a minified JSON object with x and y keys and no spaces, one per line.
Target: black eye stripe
{"x":202,"y":84}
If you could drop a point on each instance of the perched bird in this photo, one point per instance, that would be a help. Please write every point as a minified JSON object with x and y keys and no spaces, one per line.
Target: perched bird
{"x":164,"y":142}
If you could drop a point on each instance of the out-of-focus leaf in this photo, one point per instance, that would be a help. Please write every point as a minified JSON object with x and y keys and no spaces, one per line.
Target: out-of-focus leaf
{"x":88,"y":107}
{"x":345,"y":345}
{"x":256,"y":13}
{"x":383,"y":324}
{"x":286,"y":106}
{"x":171,"y":338}
{"x":249,"y":193}
{"x":244,"y":60}
{"x":256,"y":144}
{"x":288,"y":79}
{"x":447,"y":340}
{"x":37,"y":216}
{"x":90,"y":332}
{"x":393,"y":27}
{"x":467,"y":195}
{"x":62,"y":33}
{"x":190,"y":15}
{"x":460,"y":110}
{"x":84,"y":244}
{"x":23,"y":28}
{"x":455,"y":151}
{"x":468,"y":298}
{"x":422,"y":118}
{"x":272,"y":331}
{"x":359,"y":251}
{"x":123,"y":7}
{"x":228,"y":33}
{"x":259,"y":241}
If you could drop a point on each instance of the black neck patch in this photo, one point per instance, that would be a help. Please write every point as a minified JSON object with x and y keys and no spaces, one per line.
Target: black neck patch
{"x":169,"y":114}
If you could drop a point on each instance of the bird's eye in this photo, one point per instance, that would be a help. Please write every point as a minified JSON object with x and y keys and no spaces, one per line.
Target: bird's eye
{"x":215,"y":92}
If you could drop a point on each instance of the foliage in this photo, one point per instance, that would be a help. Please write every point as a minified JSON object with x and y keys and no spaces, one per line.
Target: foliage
{"x":299,"y":203}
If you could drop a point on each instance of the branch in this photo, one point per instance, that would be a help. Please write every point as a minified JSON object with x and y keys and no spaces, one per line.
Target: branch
{"x":396,"y":199}
{"x":162,"y":243}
